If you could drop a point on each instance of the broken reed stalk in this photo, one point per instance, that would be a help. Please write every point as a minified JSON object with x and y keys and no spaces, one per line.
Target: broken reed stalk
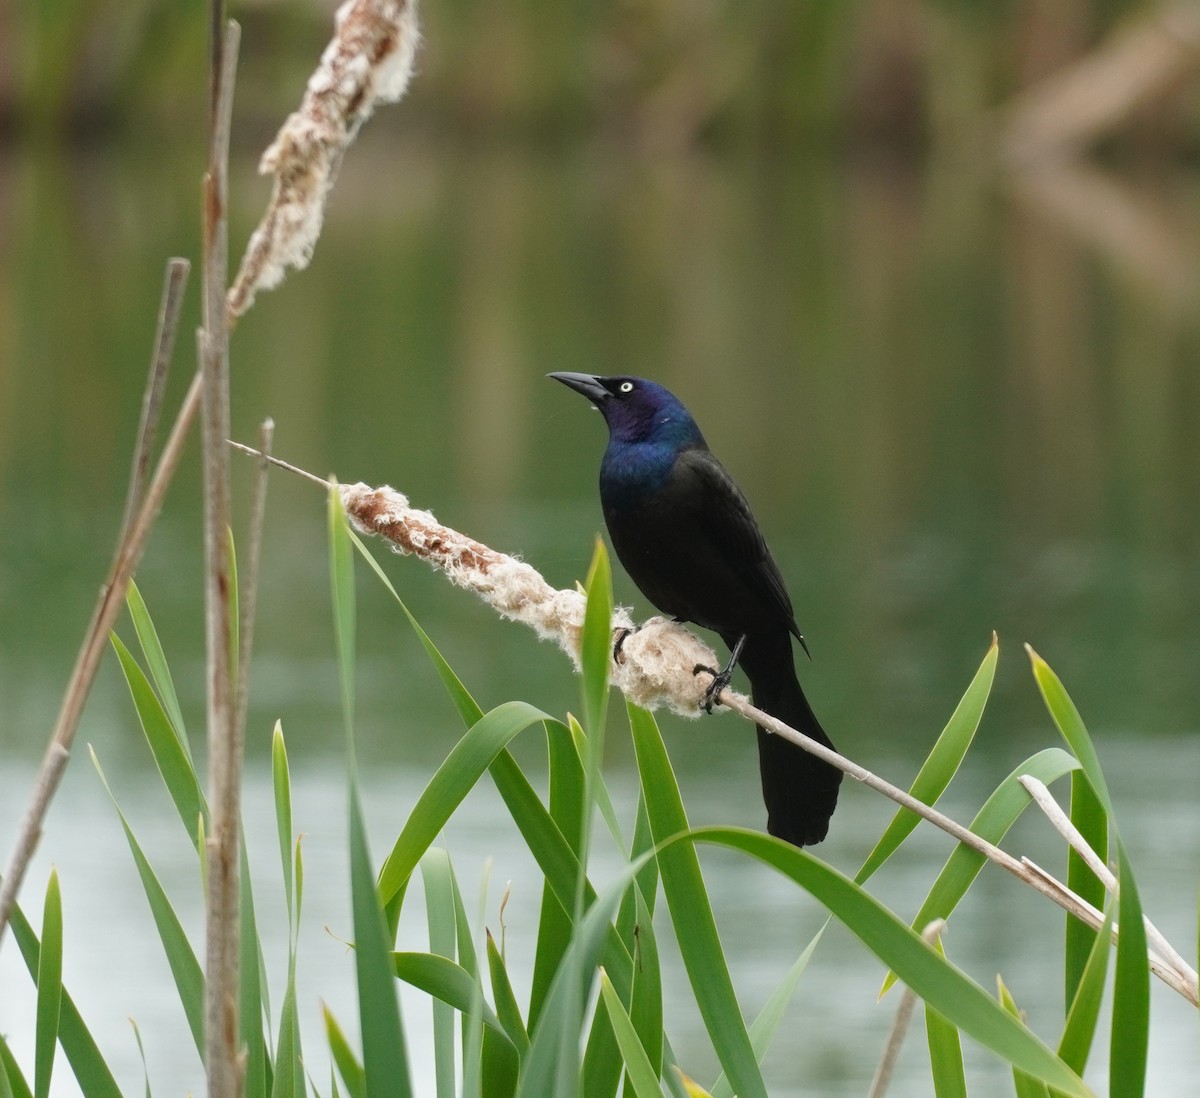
{"x":655,"y":666}
{"x":128,"y":554}
{"x":222,"y":1039}
{"x":1061,"y":823}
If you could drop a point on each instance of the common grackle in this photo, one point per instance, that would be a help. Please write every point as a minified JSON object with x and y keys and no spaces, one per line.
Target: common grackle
{"x":684,"y":533}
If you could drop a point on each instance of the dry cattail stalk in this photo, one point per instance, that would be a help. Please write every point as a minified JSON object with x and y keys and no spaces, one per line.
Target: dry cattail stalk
{"x":369,"y":61}
{"x":656,"y":660}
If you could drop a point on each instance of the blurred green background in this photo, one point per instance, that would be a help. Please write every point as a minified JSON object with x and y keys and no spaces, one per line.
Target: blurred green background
{"x":961,"y":394}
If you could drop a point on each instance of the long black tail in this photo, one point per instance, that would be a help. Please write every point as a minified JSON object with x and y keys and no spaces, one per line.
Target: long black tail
{"x":800,"y":791}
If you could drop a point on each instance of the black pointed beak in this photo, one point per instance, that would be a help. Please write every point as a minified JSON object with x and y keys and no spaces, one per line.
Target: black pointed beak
{"x":587,"y":384}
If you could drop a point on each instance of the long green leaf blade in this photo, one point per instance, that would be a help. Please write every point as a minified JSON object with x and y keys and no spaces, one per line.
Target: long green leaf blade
{"x":942,"y":764}
{"x":641,"y":1073}
{"x":691,"y":913}
{"x":385,"y":1055}
{"x":347,"y":1063}
{"x":87,"y":1064}
{"x":439,"y":913}
{"x":1076,"y":1042}
{"x":12,"y":1082}
{"x":156,"y":662}
{"x":455,"y":778}
{"x":998,"y":814}
{"x":173,"y":761}
{"x":1091,"y":821}
{"x":1131,"y":991}
{"x":919,"y":965}
{"x":185,"y":968}
{"x":1025,"y":1085}
{"x":765,"y":1026}
{"x":49,"y":981}
{"x":282,"y":782}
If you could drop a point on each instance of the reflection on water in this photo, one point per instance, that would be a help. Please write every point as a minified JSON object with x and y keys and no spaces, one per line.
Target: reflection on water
{"x":957,"y":406}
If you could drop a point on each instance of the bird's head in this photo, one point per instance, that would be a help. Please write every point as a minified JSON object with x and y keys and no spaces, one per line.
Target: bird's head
{"x":636,"y":410}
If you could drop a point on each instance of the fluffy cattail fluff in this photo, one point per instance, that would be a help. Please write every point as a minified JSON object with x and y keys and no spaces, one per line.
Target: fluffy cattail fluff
{"x":369,"y":61}
{"x":656,"y":661}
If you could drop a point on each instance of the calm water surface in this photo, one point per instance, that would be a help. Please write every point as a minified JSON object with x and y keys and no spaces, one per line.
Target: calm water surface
{"x":958,"y":406}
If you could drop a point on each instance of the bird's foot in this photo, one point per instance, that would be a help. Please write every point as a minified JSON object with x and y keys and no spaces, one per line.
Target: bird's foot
{"x":722,"y":678}
{"x":621,"y":636}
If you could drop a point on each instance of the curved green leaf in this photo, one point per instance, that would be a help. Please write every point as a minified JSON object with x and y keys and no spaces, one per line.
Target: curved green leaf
{"x":959,"y":999}
{"x":641,"y":1073}
{"x":455,"y":778}
{"x":942,"y":764}
{"x":691,"y":913}
{"x":49,"y":988}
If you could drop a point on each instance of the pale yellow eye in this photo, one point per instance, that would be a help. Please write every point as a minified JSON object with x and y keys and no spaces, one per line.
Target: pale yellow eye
{"x":626,"y":387}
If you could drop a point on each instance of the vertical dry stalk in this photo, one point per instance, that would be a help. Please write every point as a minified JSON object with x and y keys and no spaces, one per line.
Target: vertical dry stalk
{"x":112,"y":595}
{"x":224,"y":743}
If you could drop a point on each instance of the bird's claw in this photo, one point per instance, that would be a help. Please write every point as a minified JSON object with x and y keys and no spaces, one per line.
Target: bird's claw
{"x":722,"y":678}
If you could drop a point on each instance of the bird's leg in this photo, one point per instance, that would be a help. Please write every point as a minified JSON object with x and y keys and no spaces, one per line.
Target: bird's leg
{"x":621,"y":635}
{"x":721,"y":678}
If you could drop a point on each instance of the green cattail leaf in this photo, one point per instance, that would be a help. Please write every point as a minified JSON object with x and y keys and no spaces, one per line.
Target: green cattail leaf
{"x":941,"y":765}
{"x":959,"y":999}
{"x":436,"y":874}
{"x":281,"y":779}
{"x":87,"y":1064}
{"x":766,"y":1025}
{"x":172,"y":759}
{"x":641,"y":1073}
{"x":507,"y":1008}
{"x":156,"y":662}
{"x":385,"y":1055}
{"x":12,"y":1082}
{"x":596,"y":645}
{"x":1091,"y":810}
{"x":1025,"y":1085}
{"x":288,"y":1081}
{"x":347,"y":1063}
{"x":455,"y":778}
{"x":1071,"y":725}
{"x":185,"y":968}
{"x":567,"y":790}
{"x":447,"y":982}
{"x":1131,"y":991}
{"x":999,"y":812}
{"x":646,"y":998}
{"x":137,"y":1036}
{"x":466,"y":705}
{"x":49,"y":988}
{"x":691,"y":913}
{"x":1076,"y":1042}
{"x":1091,"y":820}
{"x":550,"y":1067}
{"x":945,"y":1050}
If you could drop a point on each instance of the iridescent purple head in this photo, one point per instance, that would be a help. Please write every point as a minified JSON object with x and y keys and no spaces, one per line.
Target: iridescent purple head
{"x":636,"y":410}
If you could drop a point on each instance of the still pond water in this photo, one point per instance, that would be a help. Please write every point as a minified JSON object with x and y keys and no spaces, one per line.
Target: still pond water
{"x":958,"y":405}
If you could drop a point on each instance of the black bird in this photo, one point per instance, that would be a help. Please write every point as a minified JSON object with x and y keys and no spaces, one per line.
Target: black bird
{"x":684,"y":533}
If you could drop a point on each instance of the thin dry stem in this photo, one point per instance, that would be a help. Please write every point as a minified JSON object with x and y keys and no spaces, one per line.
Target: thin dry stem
{"x":222,"y":1059}
{"x":1063,"y":825}
{"x":249,"y":596}
{"x":112,"y":597}
{"x":900,"y":1025}
{"x":174,"y":283}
